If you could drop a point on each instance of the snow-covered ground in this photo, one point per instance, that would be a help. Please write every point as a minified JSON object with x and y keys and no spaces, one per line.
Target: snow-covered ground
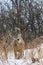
{"x":21,"y":62}
{"x":28,"y":54}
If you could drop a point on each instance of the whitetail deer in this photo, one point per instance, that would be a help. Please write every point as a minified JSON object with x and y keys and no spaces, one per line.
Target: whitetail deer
{"x":19,"y":46}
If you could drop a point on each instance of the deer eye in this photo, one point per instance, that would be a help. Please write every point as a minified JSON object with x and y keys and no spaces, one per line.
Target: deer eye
{"x":18,"y":39}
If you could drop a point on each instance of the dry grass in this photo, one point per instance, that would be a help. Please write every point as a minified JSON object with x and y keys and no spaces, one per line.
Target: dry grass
{"x":19,"y":45}
{"x":34,"y":43}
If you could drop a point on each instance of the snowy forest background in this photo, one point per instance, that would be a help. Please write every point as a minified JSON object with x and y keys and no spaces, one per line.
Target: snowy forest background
{"x":24,"y":14}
